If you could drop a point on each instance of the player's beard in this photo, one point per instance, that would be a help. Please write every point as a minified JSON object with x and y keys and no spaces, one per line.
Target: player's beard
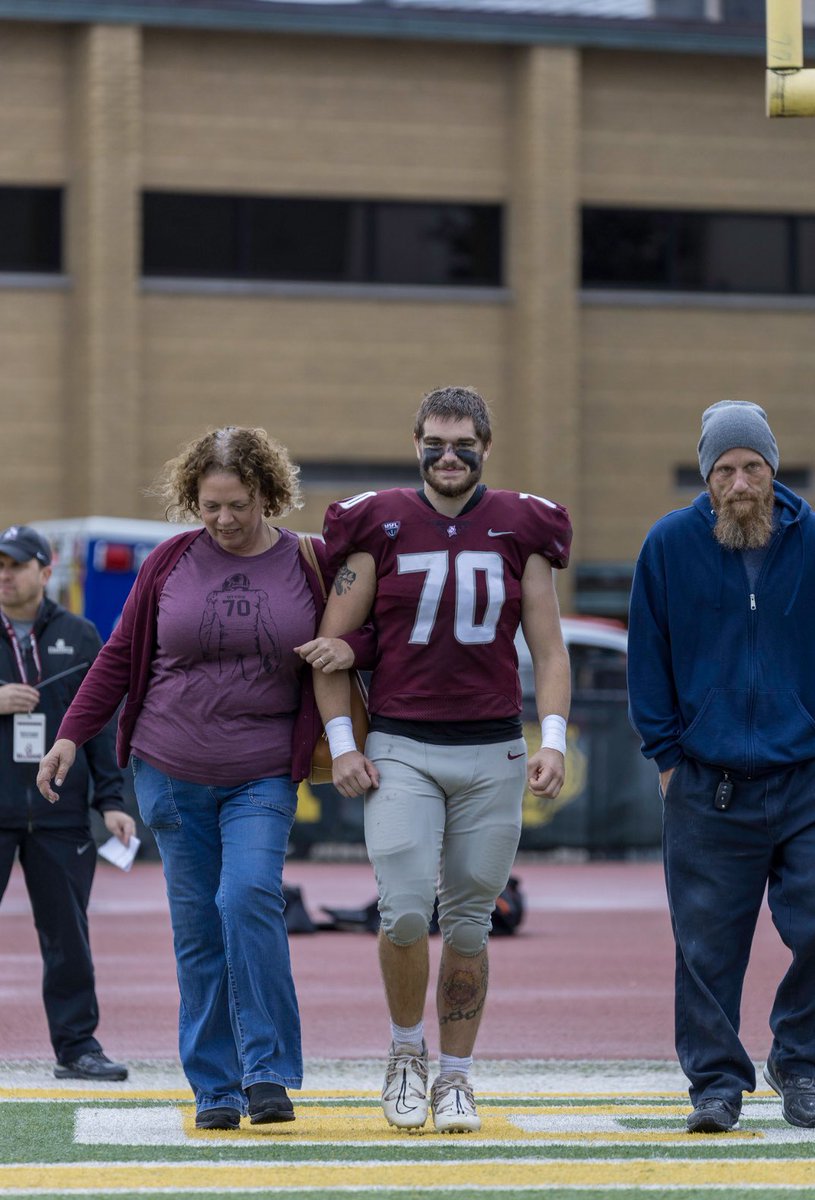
{"x":446,"y":487}
{"x":744,"y":524}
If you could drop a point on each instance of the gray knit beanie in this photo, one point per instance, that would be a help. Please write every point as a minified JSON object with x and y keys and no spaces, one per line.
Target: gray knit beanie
{"x":732,"y":424}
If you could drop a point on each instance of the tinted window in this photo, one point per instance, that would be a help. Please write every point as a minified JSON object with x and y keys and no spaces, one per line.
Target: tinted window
{"x":190,"y":239}
{"x":435,"y":243}
{"x":30,"y":229}
{"x":627,"y":249}
{"x":745,"y":254}
{"x":805,"y":254}
{"x":339,"y":241}
{"x":697,"y":251}
{"x":597,"y":668}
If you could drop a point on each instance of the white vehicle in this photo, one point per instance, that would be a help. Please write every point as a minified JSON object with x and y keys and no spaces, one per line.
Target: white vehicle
{"x":597,"y":651}
{"x":609,"y":806}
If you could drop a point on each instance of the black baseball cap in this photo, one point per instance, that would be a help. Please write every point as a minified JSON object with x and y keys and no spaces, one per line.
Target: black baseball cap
{"x":23,"y":543}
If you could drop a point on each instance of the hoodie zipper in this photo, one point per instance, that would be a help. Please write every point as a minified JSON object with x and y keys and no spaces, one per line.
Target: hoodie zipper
{"x":752,"y":639}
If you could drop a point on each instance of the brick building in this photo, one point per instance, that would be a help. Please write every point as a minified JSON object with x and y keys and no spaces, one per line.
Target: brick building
{"x":306,"y":215}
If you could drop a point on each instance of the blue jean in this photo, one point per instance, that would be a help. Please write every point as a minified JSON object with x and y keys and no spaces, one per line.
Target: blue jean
{"x":222,"y":849}
{"x":717,"y":865}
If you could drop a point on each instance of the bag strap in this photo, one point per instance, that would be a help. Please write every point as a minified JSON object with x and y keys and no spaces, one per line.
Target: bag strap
{"x":310,"y":555}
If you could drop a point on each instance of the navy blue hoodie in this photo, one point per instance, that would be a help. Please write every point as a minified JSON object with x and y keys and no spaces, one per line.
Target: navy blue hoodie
{"x":718,"y":671}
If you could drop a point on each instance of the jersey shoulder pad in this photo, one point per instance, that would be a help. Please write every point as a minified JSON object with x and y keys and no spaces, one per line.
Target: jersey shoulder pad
{"x":542,"y":524}
{"x":357,"y":522}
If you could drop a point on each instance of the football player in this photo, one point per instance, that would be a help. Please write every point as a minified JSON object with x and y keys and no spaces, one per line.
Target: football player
{"x":448,"y":572}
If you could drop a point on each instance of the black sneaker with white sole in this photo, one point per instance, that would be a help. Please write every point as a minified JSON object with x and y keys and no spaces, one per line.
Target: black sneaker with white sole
{"x":797,"y":1092}
{"x":714,"y":1115}
{"x":269,"y":1103}
{"x":92,"y":1065}
{"x":218,"y":1118}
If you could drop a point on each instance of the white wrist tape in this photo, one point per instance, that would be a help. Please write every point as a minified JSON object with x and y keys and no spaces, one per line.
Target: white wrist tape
{"x":340,"y":734}
{"x":553,"y":733}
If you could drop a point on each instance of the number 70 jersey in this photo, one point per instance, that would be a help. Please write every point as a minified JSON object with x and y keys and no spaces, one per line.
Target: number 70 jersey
{"x":448,"y":596}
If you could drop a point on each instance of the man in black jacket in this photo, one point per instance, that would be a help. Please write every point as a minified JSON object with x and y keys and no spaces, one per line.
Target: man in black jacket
{"x":44,"y":654}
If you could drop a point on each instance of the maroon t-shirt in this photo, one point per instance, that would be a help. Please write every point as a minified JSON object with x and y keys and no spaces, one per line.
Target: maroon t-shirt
{"x":225,"y":682}
{"x":448,"y":597}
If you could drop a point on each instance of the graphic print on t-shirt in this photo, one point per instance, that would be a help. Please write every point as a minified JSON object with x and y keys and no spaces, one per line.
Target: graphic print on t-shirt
{"x":238,"y":631}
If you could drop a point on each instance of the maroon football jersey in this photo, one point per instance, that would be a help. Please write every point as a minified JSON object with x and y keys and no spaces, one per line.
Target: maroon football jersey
{"x":448,"y":597}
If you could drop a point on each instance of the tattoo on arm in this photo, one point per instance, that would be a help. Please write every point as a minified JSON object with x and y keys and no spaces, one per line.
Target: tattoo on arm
{"x":344,"y":579}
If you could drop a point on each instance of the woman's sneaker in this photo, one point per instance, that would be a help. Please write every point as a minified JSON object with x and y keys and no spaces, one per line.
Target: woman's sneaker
{"x":218,"y":1118}
{"x":268,"y":1103}
{"x":453,"y":1105}
{"x":404,"y":1092}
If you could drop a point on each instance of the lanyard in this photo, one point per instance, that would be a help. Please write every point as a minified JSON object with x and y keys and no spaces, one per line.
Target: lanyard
{"x":18,"y":654}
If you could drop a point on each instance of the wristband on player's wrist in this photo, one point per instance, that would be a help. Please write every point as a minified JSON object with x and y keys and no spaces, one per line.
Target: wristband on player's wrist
{"x":340,"y":734}
{"x":553,"y":733}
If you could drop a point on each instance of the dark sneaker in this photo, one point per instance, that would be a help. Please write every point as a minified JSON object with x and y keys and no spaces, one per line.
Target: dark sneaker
{"x":269,"y":1102}
{"x":218,"y":1118}
{"x":93,"y":1065}
{"x":714,"y":1116}
{"x":797,"y":1094}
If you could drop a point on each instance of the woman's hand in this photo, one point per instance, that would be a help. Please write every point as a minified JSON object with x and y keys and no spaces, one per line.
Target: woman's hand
{"x":54,"y":767}
{"x":327,"y":654}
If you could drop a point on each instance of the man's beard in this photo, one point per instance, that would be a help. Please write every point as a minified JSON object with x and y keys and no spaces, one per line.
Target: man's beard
{"x":448,"y":488}
{"x":742,"y":524}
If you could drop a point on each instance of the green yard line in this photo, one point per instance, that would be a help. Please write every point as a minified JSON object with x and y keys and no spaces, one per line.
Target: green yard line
{"x":440,"y":1155}
{"x":33,"y":1133}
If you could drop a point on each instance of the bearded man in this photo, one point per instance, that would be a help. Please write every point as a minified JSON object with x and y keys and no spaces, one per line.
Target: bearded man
{"x":447,"y":571}
{"x":721,"y":659}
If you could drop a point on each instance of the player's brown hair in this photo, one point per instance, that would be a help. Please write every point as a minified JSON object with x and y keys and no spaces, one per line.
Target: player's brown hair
{"x":455,"y":404}
{"x":262,"y":465}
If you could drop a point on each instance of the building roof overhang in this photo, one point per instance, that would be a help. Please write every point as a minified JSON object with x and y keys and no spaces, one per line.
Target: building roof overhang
{"x":613,"y":24}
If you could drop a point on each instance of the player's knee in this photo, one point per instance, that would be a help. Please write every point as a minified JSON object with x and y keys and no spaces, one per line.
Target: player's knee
{"x":406,"y":928}
{"x":465,"y":935}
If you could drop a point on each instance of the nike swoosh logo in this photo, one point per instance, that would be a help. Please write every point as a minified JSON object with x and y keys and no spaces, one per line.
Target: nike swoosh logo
{"x":401,"y":1107}
{"x":82,"y":849}
{"x":499,"y":532}
{"x":511,"y":755}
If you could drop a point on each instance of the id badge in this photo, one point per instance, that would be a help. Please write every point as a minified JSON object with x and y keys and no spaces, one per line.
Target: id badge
{"x":29,"y":737}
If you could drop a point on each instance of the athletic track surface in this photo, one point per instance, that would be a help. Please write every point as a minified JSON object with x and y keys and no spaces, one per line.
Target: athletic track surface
{"x":578,"y":1088}
{"x":589,"y":976}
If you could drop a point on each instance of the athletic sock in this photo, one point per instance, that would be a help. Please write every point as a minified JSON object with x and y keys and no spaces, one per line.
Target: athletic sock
{"x":407,"y":1035}
{"x":450,"y":1065}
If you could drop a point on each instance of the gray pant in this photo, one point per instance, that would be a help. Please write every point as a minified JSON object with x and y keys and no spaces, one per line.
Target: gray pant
{"x":444,"y":820}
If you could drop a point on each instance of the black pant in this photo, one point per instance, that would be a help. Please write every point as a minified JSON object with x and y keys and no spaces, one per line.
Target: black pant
{"x":58,"y":865}
{"x":717,"y":865}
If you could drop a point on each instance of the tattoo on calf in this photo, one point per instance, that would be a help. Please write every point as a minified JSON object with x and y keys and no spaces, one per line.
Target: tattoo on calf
{"x":464,"y":995}
{"x":343,"y":579}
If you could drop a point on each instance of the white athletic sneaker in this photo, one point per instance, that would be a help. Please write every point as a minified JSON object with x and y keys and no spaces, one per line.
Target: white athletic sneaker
{"x":404,"y":1092}
{"x":453,"y":1104}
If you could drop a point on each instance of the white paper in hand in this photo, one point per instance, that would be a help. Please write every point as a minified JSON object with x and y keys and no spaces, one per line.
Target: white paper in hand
{"x":119,"y":855}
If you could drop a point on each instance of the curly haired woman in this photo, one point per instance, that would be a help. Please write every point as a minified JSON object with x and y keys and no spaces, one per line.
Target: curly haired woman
{"x":219,"y":723}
